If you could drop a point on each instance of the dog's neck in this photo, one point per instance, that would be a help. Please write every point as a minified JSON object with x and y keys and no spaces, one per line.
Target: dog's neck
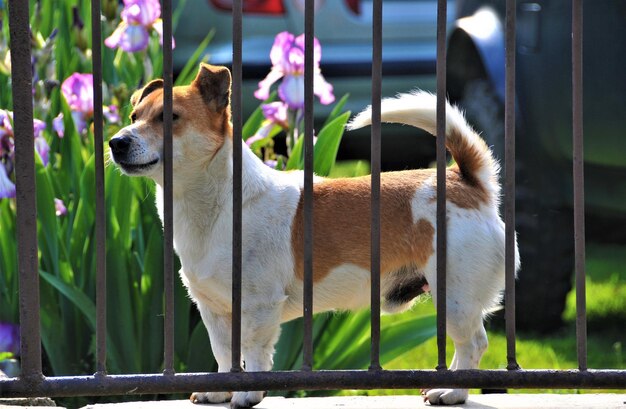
{"x":209,"y":190}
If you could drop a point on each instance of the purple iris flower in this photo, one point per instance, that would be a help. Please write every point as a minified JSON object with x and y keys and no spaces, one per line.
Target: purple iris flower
{"x":275,"y":113}
{"x":9,"y":338}
{"x":287,"y":56}
{"x":7,"y":188}
{"x":78,"y":92}
{"x":41,"y":145}
{"x":7,"y":150}
{"x":133,"y":32}
{"x":59,"y":207}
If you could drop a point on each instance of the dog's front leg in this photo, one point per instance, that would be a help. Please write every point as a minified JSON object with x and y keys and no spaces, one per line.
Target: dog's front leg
{"x":219,"y":328}
{"x":259,"y":333}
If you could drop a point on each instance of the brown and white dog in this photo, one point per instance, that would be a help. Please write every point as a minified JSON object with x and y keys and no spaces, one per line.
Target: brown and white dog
{"x":273,"y":226}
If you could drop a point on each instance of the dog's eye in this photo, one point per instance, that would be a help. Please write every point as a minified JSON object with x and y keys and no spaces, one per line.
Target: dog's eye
{"x":133,"y":118}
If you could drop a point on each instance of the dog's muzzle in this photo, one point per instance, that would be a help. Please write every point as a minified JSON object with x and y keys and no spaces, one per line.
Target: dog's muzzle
{"x":131,"y":155}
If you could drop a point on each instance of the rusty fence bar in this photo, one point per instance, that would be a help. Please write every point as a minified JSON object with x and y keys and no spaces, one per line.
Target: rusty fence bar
{"x":579,"y":187}
{"x":509,"y":183}
{"x":307,"y":303}
{"x":377,"y":57}
{"x":98,"y":141}
{"x":168,"y":192}
{"x":30,"y":336}
{"x":442,"y":11}
{"x":237,"y":187}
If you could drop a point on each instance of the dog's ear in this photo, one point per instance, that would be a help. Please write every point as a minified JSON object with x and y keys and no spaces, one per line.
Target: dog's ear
{"x":213,"y":82}
{"x":145,"y":91}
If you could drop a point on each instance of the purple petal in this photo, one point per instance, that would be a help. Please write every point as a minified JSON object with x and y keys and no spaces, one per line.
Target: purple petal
{"x":294,"y":60}
{"x":282,"y":44}
{"x":5,"y":123}
{"x":7,"y":190}
{"x":111,"y":114}
{"x":134,"y":38}
{"x":79,"y":122}
{"x":78,"y":92}
{"x":263,"y":132}
{"x":142,"y":12}
{"x":271,"y":163}
{"x":113,"y":41}
{"x":317,"y":48}
{"x":291,"y":90}
{"x":276,"y":112}
{"x":42,"y":148}
{"x":130,"y":38}
{"x":59,"y":207}
{"x":38,"y":127}
{"x":158,"y":27}
{"x":263,"y":92}
{"x":256,"y":137}
{"x":59,"y":125}
{"x":323,"y":89}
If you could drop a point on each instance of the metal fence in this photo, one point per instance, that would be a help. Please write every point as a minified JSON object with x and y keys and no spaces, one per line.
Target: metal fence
{"x":33,"y":383}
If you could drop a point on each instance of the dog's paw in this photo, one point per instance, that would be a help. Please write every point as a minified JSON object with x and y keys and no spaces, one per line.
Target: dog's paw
{"x":246,"y":399}
{"x":445,"y":396}
{"x":210,"y":397}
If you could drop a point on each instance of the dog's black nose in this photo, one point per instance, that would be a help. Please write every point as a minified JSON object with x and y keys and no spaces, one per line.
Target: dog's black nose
{"x":120,"y":145}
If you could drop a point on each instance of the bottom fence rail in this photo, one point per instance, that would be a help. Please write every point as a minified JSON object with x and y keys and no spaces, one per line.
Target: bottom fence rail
{"x":303,"y":380}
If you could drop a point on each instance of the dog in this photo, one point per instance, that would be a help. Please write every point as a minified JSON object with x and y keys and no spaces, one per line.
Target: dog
{"x":273,"y":226}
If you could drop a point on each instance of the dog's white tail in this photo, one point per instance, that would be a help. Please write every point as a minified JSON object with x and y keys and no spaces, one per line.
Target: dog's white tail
{"x":419,"y":109}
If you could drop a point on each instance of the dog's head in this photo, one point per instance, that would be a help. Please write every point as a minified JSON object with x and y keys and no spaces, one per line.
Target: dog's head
{"x":201,"y":122}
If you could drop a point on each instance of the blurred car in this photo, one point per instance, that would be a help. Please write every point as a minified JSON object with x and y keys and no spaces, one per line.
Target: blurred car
{"x":344,"y":28}
{"x":544,"y":195}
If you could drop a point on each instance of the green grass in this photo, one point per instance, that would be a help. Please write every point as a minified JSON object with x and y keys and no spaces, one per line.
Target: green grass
{"x":606,"y":308}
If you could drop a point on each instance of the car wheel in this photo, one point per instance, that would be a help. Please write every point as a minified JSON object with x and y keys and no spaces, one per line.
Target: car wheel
{"x":545,"y":235}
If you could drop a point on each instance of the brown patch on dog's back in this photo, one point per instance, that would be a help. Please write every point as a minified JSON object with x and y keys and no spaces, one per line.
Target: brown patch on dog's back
{"x":341,"y":225}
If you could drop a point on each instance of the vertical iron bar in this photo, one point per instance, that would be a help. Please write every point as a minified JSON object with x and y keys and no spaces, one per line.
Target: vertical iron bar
{"x":509,"y":184}
{"x":377,"y":34}
{"x":579,"y":188}
{"x":30,"y":340}
{"x":441,"y":183}
{"x":309,"y":32}
{"x":237,"y":186}
{"x":21,"y":73}
{"x":168,"y":196}
{"x":98,"y":140}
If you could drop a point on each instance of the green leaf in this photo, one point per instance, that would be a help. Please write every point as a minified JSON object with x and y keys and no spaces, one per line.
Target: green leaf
{"x":296,"y":160}
{"x":48,"y":235}
{"x":327,"y":144}
{"x":350,"y":169}
{"x":83,"y":303}
{"x":336,"y":109}
{"x":349,"y":343}
{"x":288,"y":354}
{"x":188,"y":73}
{"x":200,"y":357}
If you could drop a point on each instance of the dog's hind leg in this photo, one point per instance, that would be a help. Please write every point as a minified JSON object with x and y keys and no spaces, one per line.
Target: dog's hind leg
{"x":470,"y":342}
{"x":219,"y":329}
